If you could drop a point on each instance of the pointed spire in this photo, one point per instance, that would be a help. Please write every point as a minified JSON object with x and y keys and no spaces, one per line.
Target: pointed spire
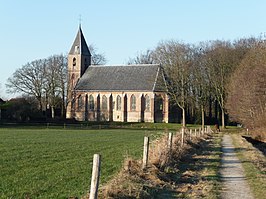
{"x":80,"y":46}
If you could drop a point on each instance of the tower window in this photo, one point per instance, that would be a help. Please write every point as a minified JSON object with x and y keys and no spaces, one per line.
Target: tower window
{"x":76,"y":49}
{"x":74,"y":62}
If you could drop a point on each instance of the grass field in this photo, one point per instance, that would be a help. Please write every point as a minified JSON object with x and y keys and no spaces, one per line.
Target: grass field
{"x":56,"y":163}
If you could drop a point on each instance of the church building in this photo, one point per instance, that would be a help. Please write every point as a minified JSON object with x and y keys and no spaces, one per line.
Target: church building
{"x":124,"y":93}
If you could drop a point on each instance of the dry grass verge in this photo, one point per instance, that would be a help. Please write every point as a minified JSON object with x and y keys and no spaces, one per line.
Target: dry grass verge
{"x":254,"y":163}
{"x":188,"y":171}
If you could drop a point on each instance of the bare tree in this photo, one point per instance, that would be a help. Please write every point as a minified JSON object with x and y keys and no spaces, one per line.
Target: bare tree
{"x":97,"y":58}
{"x":45,"y":79}
{"x":176,"y":59}
{"x":55,"y":86}
{"x":200,"y":85}
{"x":221,"y":61}
{"x":247,"y":97}
{"x":29,"y":80}
{"x":146,"y":57}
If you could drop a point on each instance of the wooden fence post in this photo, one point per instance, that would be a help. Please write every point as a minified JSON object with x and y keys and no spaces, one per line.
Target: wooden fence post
{"x":182,"y":136}
{"x":190,"y":133}
{"x":145,"y":152}
{"x":95,"y":177}
{"x":170,"y":140}
{"x":195,"y":132}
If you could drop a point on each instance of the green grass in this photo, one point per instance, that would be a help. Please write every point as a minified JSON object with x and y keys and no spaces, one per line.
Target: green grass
{"x":56,"y":163}
{"x":161,"y":126}
{"x":99,"y":125}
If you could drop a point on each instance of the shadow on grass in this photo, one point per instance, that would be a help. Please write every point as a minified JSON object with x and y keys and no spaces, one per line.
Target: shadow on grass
{"x":256,"y":143}
{"x":191,"y":172}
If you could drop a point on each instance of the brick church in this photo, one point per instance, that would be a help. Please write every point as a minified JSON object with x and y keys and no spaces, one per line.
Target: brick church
{"x":124,"y":93}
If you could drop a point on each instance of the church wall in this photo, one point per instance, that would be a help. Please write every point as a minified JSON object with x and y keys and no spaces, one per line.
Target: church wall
{"x":123,"y":112}
{"x":133,"y":115}
{"x":68,"y":112}
{"x":118,"y":114}
{"x":139,"y":114}
{"x":148,"y":116}
{"x":80,"y":116}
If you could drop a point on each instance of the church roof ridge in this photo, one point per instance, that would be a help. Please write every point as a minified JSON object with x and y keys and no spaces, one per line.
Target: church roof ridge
{"x":124,"y":65}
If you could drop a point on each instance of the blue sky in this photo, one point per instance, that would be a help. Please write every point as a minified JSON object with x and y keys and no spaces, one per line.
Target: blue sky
{"x":120,"y":29}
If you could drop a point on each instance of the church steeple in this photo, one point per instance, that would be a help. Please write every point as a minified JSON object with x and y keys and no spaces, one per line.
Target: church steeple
{"x":79,"y":58}
{"x":80,"y":46}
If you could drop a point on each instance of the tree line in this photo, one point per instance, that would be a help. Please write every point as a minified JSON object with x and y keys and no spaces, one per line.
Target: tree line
{"x":205,"y":81}
{"x":214,"y":79}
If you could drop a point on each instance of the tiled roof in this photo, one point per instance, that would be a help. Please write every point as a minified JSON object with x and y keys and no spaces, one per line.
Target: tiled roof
{"x":146,"y":77}
{"x":79,"y":46}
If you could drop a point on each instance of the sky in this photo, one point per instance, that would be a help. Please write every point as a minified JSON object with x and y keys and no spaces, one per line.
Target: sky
{"x":119,"y":29}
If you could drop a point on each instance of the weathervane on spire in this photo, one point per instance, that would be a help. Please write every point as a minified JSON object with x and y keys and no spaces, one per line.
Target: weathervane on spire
{"x":80,"y":19}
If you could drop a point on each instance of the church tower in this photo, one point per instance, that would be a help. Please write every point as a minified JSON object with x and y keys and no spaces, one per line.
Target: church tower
{"x":79,"y":59}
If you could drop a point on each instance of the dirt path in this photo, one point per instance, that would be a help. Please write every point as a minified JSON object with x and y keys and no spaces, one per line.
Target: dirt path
{"x":234,"y":182}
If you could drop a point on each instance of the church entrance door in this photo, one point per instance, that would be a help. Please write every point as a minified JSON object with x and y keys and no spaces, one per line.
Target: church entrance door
{"x":158,"y":109}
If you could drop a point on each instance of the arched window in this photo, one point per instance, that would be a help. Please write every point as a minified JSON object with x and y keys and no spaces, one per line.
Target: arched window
{"x":118,"y":103}
{"x":133,"y":103}
{"x":80,"y":102}
{"x":91,"y":102}
{"x":74,"y":62}
{"x":73,"y":104}
{"x":147,"y":103}
{"x":104,"y":102}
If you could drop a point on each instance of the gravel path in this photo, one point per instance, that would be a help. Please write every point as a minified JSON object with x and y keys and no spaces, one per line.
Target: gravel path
{"x":234,"y":182}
